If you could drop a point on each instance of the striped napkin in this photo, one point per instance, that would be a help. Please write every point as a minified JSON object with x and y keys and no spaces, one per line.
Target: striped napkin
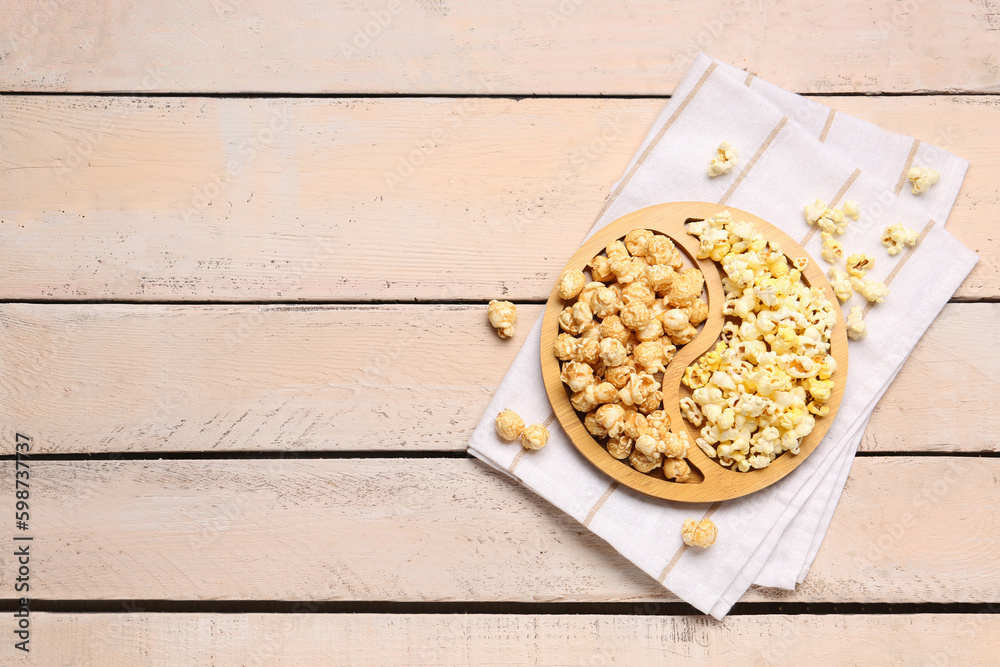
{"x":793,"y":150}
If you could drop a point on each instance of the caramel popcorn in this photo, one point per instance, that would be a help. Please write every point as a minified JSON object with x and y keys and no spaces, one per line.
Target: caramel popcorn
{"x":503,"y":316}
{"x":571,"y":284}
{"x":600,"y":269}
{"x":724,"y":160}
{"x":896,"y":236}
{"x":636,"y":240}
{"x":534,"y":436}
{"x":613,"y":352}
{"x":620,"y":446}
{"x":922,"y":178}
{"x":594,"y":428}
{"x":615,"y":339}
{"x":699,"y":533}
{"x":645,"y":462}
{"x":576,"y":317}
{"x":577,"y":375}
{"x":751,"y":393}
{"x":856,"y":327}
{"x":677,"y":470}
{"x":509,"y":425}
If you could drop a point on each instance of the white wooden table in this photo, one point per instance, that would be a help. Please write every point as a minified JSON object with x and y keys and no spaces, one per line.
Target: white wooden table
{"x":245,"y":254}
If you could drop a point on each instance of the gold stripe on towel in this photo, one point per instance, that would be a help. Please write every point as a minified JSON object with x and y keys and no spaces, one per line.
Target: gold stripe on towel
{"x":656,"y":140}
{"x":833,"y":202}
{"x":684,"y":547}
{"x":600,"y":503}
{"x":829,"y":124}
{"x":902,"y":262}
{"x":760,"y":151}
{"x":906,"y":167}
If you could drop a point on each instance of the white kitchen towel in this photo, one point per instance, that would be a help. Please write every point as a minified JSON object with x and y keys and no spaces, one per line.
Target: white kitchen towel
{"x":792,"y":150}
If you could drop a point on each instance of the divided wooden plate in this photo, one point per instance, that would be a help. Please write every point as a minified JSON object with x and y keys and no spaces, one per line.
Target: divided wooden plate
{"x":710,"y":481}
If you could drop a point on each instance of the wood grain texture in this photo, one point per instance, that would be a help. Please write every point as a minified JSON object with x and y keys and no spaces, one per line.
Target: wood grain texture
{"x":716,"y":483}
{"x":129,"y":378}
{"x":387,"y":640}
{"x":521,"y":47}
{"x":907,"y":530}
{"x":358,"y":199}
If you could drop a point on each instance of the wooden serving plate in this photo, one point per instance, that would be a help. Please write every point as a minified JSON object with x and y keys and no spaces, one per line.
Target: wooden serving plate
{"x":710,"y":481}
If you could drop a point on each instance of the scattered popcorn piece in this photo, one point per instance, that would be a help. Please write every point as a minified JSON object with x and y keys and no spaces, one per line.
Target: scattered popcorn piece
{"x":841,"y":284}
{"x":896,"y":236}
{"x":832,"y":249}
{"x":830,"y":220}
{"x":699,"y":533}
{"x":858,"y":264}
{"x":509,"y":425}
{"x":815,"y":211}
{"x":724,"y":161}
{"x":872,"y":290}
{"x":833,"y":221}
{"x":534,"y":436}
{"x":503,"y":316}
{"x":801,"y":263}
{"x":856,"y":327}
{"x":922,"y":178}
{"x":571,"y":284}
{"x":851,"y":210}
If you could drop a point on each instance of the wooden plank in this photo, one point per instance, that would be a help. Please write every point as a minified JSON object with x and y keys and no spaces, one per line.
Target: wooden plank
{"x":908,"y":530}
{"x":128,"y":378}
{"x":241,"y":640}
{"x":353,"y":200}
{"x":521,"y":47}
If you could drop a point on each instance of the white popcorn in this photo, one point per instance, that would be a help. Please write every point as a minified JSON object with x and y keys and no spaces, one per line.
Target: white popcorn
{"x":851,"y":210}
{"x":856,"y":327}
{"x":759,"y":391}
{"x":896,"y":236}
{"x":832,"y":249}
{"x":724,"y":160}
{"x":858,"y":264}
{"x":830,"y":220}
{"x":815,"y":211}
{"x":872,"y":290}
{"x":841,"y":283}
{"x":691,"y":411}
{"x":922,"y":178}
